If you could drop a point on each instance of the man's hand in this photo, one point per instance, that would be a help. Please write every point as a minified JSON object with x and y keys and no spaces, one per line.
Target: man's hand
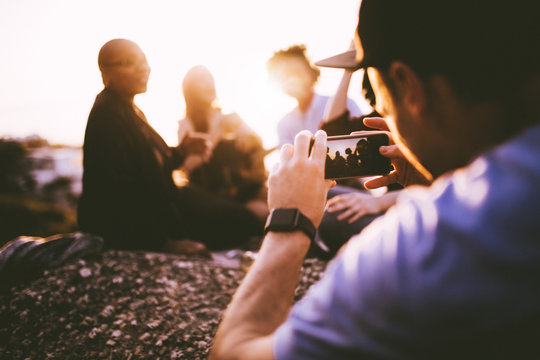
{"x":404,"y":172}
{"x":358,"y":204}
{"x":297,"y":181}
{"x":192,"y":162}
{"x":195,"y":143}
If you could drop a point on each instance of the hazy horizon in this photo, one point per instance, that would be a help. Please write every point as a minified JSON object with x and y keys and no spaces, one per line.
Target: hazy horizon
{"x":50,"y":76}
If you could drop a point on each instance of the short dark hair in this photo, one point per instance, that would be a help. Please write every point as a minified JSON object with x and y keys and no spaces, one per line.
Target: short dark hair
{"x":484,"y":48}
{"x":293,"y":52}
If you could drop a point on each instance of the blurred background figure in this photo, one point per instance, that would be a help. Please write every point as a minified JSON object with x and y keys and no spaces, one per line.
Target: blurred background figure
{"x":235,"y":171}
{"x":129,"y":196}
{"x":350,"y":207}
{"x":297,"y":77}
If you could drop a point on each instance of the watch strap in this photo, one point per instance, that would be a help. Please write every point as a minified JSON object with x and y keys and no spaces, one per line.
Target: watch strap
{"x":298,"y":222}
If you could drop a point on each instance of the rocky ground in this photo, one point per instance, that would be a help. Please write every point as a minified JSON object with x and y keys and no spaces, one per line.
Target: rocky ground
{"x":123,"y":305}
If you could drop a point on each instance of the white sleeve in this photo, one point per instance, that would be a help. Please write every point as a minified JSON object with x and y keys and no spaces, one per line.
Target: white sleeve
{"x":184,"y":126}
{"x":354,"y":109}
{"x":283,"y":131}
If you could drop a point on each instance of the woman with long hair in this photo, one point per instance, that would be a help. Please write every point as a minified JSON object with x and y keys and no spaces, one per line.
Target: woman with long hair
{"x":236,"y":168}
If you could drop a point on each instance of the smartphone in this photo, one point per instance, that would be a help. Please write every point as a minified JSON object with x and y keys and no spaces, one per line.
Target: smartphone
{"x":356,"y":155}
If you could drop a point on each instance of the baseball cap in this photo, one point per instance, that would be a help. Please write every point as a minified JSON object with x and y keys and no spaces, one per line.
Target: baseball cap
{"x":377,"y":35}
{"x":345,"y":60}
{"x":438,"y":35}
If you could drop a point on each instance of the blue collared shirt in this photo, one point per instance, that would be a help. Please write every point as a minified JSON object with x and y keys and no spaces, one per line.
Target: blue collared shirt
{"x":452,"y":270}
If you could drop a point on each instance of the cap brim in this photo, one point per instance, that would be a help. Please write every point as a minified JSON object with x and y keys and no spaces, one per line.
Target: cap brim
{"x":346,"y":60}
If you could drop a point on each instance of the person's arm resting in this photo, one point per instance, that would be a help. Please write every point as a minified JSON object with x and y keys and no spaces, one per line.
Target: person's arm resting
{"x":337,"y":105}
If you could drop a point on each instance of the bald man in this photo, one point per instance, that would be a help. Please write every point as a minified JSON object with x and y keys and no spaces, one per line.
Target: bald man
{"x":129,"y":196}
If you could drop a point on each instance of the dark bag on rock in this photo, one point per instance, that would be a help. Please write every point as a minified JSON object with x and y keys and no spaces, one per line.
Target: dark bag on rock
{"x":26,"y":257}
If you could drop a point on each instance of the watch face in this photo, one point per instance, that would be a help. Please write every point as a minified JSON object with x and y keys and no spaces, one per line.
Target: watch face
{"x":285,"y":218}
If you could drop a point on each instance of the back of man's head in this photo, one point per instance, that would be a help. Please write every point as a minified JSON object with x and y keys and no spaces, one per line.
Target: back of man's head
{"x":111,"y":49}
{"x":484,"y":47}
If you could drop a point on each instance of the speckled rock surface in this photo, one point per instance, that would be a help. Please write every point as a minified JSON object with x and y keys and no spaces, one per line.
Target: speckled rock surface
{"x":123,"y":305}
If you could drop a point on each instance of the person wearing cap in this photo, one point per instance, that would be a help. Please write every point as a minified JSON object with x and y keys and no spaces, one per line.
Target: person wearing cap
{"x":338,"y":120}
{"x":297,"y":77}
{"x":129,"y":196}
{"x":451,"y":271}
{"x":349,"y":211}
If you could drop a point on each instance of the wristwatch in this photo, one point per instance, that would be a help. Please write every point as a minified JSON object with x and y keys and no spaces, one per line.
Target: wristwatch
{"x":288,"y":220}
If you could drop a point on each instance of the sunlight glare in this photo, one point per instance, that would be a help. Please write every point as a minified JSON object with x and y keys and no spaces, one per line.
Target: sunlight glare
{"x":51,"y":94}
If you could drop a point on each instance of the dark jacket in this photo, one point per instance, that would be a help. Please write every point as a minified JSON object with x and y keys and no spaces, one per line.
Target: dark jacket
{"x":127,"y":183}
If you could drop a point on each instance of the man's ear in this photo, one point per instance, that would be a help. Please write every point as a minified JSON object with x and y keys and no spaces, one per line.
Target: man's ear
{"x":409,"y":87}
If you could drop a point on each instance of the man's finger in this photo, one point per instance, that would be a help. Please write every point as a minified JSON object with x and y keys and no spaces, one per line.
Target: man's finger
{"x":354,"y":218}
{"x":391,"y":151}
{"x":335,"y":200}
{"x":376,"y":123}
{"x":275,"y":168}
{"x":301,"y":144}
{"x":319,"y":147}
{"x":345,"y":214}
{"x":381,"y":181}
{"x":286,"y":153}
{"x":336,"y":207}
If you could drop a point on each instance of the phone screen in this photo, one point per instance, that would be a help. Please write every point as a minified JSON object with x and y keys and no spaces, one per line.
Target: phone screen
{"x":356,"y":156}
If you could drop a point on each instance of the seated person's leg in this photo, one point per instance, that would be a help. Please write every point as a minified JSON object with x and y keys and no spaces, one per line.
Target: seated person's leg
{"x":333,"y":232}
{"x":216,"y":222}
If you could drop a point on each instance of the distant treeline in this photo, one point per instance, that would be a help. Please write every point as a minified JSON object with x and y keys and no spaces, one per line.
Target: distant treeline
{"x":25,"y":209}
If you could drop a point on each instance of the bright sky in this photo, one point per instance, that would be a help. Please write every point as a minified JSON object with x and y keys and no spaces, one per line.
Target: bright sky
{"x":49,"y":74}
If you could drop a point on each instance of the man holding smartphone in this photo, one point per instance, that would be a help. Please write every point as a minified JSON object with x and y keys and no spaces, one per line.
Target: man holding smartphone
{"x":451,"y":271}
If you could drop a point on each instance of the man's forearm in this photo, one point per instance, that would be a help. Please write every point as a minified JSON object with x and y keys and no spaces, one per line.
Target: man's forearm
{"x":263,"y":300}
{"x":337,"y":105}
